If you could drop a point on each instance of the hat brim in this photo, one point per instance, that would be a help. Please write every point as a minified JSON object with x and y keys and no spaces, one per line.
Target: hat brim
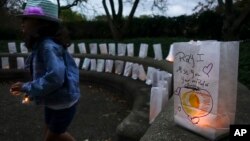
{"x":40,"y":17}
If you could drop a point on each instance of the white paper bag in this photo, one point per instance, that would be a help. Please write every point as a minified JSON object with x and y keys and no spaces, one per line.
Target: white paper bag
{"x":103,"y":48}
{"x":77,"y":61}
{"x":205,"y":86}
{"x":23,"y":48}
{"x":166,"y":80}
{"x":128,"y":69}
{"x":93,"y":48}
{"x":109,"y":65}
{"x":93,"y":64}
{"x":119,"y":66}
{"x":150,"y":72}
{"x":121,"y":49}
{"x":5,"y":62}
{"x":142,"y":74}
{"x":112,"y":49}
{"x":130,"y":49}
{"x":20,"y":62}
{"x":143,"y":50}
{"x":12,"y":47}
{"x":158,"y":99}
{"x":135,"y":71}
{"x":100,"y":65}
{"x":157,"y":51}
{"x":156,"y":78}
{"x":71,"y":48}
{"x":86,"y":64}
{"x":165,"y":96}
{"x":165,"y":76}
{"x":82,"y":48}
{"x":155,"y":103}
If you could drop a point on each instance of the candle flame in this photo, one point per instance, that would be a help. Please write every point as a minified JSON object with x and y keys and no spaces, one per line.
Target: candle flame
{"x":170,"y":56}
{"x":214,"y":121}
{"x":26,"y":100}
{"x":204,"y":123}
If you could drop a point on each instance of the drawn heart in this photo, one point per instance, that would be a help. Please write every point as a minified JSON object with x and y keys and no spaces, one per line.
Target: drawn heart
{"x":207,"y":68}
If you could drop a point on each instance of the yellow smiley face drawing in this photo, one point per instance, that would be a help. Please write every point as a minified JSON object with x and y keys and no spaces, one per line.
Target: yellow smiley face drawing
{"x":195,"y":103}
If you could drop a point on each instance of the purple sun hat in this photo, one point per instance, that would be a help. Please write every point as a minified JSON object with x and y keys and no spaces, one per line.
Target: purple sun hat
{"x":41,"y":9}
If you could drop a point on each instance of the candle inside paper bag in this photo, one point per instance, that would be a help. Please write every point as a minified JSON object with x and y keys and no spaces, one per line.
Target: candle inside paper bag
{"x":215,"y":121}
{"x":170,"y":56}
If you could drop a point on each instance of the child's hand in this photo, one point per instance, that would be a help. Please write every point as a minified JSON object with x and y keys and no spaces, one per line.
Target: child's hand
{"x":15,"y":89}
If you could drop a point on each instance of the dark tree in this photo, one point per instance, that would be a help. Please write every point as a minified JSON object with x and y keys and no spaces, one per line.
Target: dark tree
{"x":234,"y":13}
{"x":119,"y":25}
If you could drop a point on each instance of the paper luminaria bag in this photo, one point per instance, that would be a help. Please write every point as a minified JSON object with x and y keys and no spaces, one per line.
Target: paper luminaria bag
{"x":205,"y":86}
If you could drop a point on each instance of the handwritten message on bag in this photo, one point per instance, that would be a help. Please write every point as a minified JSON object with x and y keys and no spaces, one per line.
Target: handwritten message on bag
{"x":205,"y":86}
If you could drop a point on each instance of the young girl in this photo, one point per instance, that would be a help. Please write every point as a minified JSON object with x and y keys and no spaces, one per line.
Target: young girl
{"x":55,"y":75}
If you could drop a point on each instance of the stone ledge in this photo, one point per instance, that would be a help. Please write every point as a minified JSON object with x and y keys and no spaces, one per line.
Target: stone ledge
{"x":164,"y":129}
{"x":161,"y":64}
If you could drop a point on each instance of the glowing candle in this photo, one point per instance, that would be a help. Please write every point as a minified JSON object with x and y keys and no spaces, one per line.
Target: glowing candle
{"x":197,"y":104}
{"x":170,"y":56}
{"x":26,"y":100}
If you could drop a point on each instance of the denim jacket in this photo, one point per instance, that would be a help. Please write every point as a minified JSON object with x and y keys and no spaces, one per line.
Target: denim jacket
{"x":55,"y":75}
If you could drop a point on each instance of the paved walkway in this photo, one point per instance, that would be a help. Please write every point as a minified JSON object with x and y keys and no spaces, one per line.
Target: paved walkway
{"x":164,"y":129}
{"x":99,"y":112}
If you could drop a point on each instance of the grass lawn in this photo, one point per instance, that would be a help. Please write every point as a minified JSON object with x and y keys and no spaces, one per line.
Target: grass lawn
{"x":244,"y":59}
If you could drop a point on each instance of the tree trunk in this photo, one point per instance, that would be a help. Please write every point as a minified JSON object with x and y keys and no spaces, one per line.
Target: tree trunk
{"x":116,"y":31}
{"x":111,"y":21}
{"x":119,"y":26}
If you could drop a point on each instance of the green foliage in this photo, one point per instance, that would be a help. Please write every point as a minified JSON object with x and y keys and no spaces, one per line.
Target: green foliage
{"x":145,"y":16}
{"x":68,"y":15}
{"x":245,"y":29}
{"x":209,"y":25}
{"x":244,"y":63}
{"x":89,"y":30}
{"x":101,"y":18}
{"x":9,"y":33}
{"x":9,"y":26}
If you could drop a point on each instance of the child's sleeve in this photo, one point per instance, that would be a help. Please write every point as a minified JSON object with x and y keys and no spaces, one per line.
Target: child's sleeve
{"x":54,"y":76}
